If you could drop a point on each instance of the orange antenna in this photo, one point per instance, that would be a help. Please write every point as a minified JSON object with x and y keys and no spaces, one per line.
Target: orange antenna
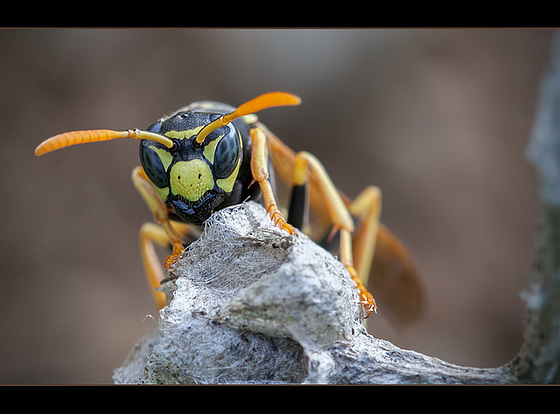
{"x":267,"y":100}
{"x":96,"y":135}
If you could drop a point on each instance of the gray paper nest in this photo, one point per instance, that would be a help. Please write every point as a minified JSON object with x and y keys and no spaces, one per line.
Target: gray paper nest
{"x":253,"y":305}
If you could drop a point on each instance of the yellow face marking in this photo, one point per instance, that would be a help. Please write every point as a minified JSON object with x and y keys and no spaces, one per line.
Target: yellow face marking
{"x":164,"y":155}
{"x":191,"y":179}
{"x":183,"y":134}
{"x":210,"y":149}
{"x":162,"y":192}
{"x":227,"y":184}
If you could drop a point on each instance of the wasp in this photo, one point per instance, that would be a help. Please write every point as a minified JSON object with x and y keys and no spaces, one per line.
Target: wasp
{"x":208,"y":155}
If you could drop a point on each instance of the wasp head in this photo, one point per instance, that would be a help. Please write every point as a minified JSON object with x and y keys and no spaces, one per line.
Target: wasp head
{"x":193,"y":178}
{"x":192,"y":157}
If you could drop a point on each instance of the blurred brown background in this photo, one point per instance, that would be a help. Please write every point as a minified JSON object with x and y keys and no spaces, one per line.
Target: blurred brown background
{"x":438,"y":119}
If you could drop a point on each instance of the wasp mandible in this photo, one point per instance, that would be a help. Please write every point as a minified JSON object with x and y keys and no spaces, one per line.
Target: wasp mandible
{"x":209,"y":155}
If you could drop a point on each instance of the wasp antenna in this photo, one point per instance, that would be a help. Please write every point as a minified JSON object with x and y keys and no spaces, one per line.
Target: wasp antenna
{"x":96,"y":135}
{"x":152,"y":136}
{"x":264,"y":101}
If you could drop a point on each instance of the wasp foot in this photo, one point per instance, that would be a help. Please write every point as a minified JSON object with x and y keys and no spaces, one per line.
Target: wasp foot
{"x":174,"y":257}
{"x":366,"y":299}
{"x":279,"y":220}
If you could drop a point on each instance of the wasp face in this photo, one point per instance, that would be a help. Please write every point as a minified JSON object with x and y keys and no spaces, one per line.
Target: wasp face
{"x":194,"y":158}
{"x":193,"y":179}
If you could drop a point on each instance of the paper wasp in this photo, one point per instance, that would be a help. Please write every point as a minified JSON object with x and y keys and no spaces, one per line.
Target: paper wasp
{"x":208,"y":155}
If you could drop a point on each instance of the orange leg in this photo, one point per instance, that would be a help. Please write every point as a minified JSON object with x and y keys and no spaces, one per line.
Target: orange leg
{"x":339,"y":216}
{"x":379,"y":255}
{"x":156,"y":205}
{"x":259,"y":169}
{"x":393,"y":273}
{"x":346,"y":257}
{"x":151,"y":234}
{"x":367,"y":209}
{"x":303,"y":168}
{"x":167,"y":233}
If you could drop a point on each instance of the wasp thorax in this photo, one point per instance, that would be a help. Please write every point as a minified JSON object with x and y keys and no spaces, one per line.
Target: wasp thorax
{"x":191,"y":179}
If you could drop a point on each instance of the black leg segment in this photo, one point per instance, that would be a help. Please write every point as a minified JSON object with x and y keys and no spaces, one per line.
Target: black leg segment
{"x":298,"y":213}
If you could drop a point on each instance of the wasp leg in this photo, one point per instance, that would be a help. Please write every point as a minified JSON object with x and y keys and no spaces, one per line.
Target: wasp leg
{"x":366,"y":298}
{"x":259,"y":170}
{"x":366,"y":209}
{"x":381,"y":256}
{"x":148,"y":193}
{"x":340,"y":217}
{"x":151,"y":233}
{"x":393,"y":272}
{"x":298,"y":211}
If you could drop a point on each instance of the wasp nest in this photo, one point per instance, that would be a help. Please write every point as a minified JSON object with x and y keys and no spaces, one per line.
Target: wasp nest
{"x":251,"y":304}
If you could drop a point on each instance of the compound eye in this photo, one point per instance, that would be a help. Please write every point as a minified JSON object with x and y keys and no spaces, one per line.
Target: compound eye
{"x":153,"y":165}
{"x":227,"y":153}
{"x":155,"y":127}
